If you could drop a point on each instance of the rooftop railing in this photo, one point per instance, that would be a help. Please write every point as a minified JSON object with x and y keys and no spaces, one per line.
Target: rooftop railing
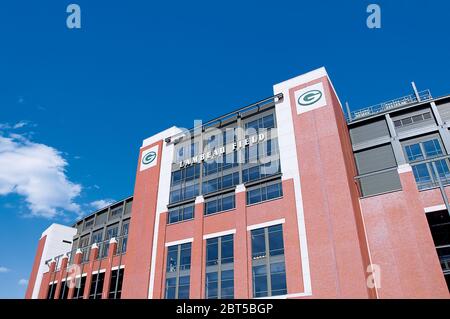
{"x":389,"y":105}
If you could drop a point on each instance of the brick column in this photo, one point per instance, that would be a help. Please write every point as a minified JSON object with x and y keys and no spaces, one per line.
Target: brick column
{"x":76,"y":263}
{"x":197,"y":251}
{"x":241,"y":258}
{"x":62,"y":271}
{"x":52,"y":267}
{"x":92,"y":257}
{"x":107,"y":282}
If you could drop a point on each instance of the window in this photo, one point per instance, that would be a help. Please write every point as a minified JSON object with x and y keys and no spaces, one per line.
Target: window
{"x":96,"y":289}
{"x":115,"y":287}
{"x":88,"y":224}
{"x":111,"y":232}
{"x":84,"y":241}
{"x":178,"y":271}
{"x":268,"y":264}
{"x":97,"y":237}
{"x":216,"y":184}
{"x":185,"y":183}
{"x":261,"y":171}
{"x":180,"y":213}
{"x":265,"y":122}
{"x":412,"y":119}
{"x":100,"y":219}
{"x":439,"y":223}
{"x":51,"y":291}
{"x":128,"y":207}
{"x":115,"y":212}
{"x":264,"y":191}
{"x":219,"y":268}
{"x":122,"y":247}
{"x":64,"y":291}
{"x":80,"y":283}
{"x":424,"y":173}
{"x":219,"y":203}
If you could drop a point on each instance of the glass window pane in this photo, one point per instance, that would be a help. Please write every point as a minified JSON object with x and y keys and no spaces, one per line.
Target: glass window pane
{"x":276,"y":246}
{"x":212,"y":252}
{"x":414,"y":152}
{"x":259,"y":281}
{"x":278,"y":278}
{"x":254,"y":196}
{"x":185,"y":256}
{"x":432,"y":148}
{"x":258,"y":245}
{"x":228,"y":202}
{"x":227,"y":250}
{"x":273,"y":191}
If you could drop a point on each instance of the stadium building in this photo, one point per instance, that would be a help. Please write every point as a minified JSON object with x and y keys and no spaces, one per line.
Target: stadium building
{"x":290,"y":197}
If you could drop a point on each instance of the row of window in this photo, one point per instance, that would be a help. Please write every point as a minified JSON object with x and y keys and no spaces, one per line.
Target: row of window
{"x":184,"y":189}
{"x":412,"y":119}
{"x":227,"y":136}
{"x":223,"y":202}
{"x":268,"y":266}
{"x":425,"y":173}
{"x":96,"y":288}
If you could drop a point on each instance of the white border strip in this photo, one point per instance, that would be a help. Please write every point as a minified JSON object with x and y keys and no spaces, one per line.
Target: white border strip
{"x":116,"y":267}
{"x":266,"y":224}
{"x":293,"y":295}
{"x":179,"y":242}
{"x":221,"y":233}
{"x":434,"y":208}
{"x":96,"y":271}
{"x":78,"y":276}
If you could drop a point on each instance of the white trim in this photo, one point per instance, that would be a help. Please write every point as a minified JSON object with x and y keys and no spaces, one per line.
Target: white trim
{"x":293,"y":295}
{"x":266,"y":224}
{"x":199,"y":199}
{"x":435,"y":208}
{"x":165,"y":173}
{"x":221,"y":233}
{"x":240,"y":188}
{"x":96,"y":271}
{"x":78,"y":276}
{"x":290,"y":160}
{"x":179,"y":242}
{"x":117,"y":267}
{"x":404,"y":168}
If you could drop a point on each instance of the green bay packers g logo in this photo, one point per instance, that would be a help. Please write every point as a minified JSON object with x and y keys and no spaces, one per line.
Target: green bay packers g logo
{"x":150,"y":157}
{"x":309,"y":97}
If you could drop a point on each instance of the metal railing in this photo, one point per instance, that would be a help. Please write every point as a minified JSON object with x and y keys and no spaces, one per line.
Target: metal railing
{"x":389,"y":105}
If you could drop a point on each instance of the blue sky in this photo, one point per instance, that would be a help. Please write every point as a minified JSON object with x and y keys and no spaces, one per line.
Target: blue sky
{"x":75,"y":105}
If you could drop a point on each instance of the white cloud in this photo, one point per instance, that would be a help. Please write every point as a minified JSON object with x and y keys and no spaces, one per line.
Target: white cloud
{"x":38,"y":173}
{"x":3,"y":269}
{"x":8,"y":126}
{"x":23,"y":282}
{"x":99,"y":204}
{"x":20,"y":124}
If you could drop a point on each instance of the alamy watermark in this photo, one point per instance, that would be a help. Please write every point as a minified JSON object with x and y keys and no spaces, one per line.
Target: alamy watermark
{"x":374,"y":19}
{"x":73,"y":20}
